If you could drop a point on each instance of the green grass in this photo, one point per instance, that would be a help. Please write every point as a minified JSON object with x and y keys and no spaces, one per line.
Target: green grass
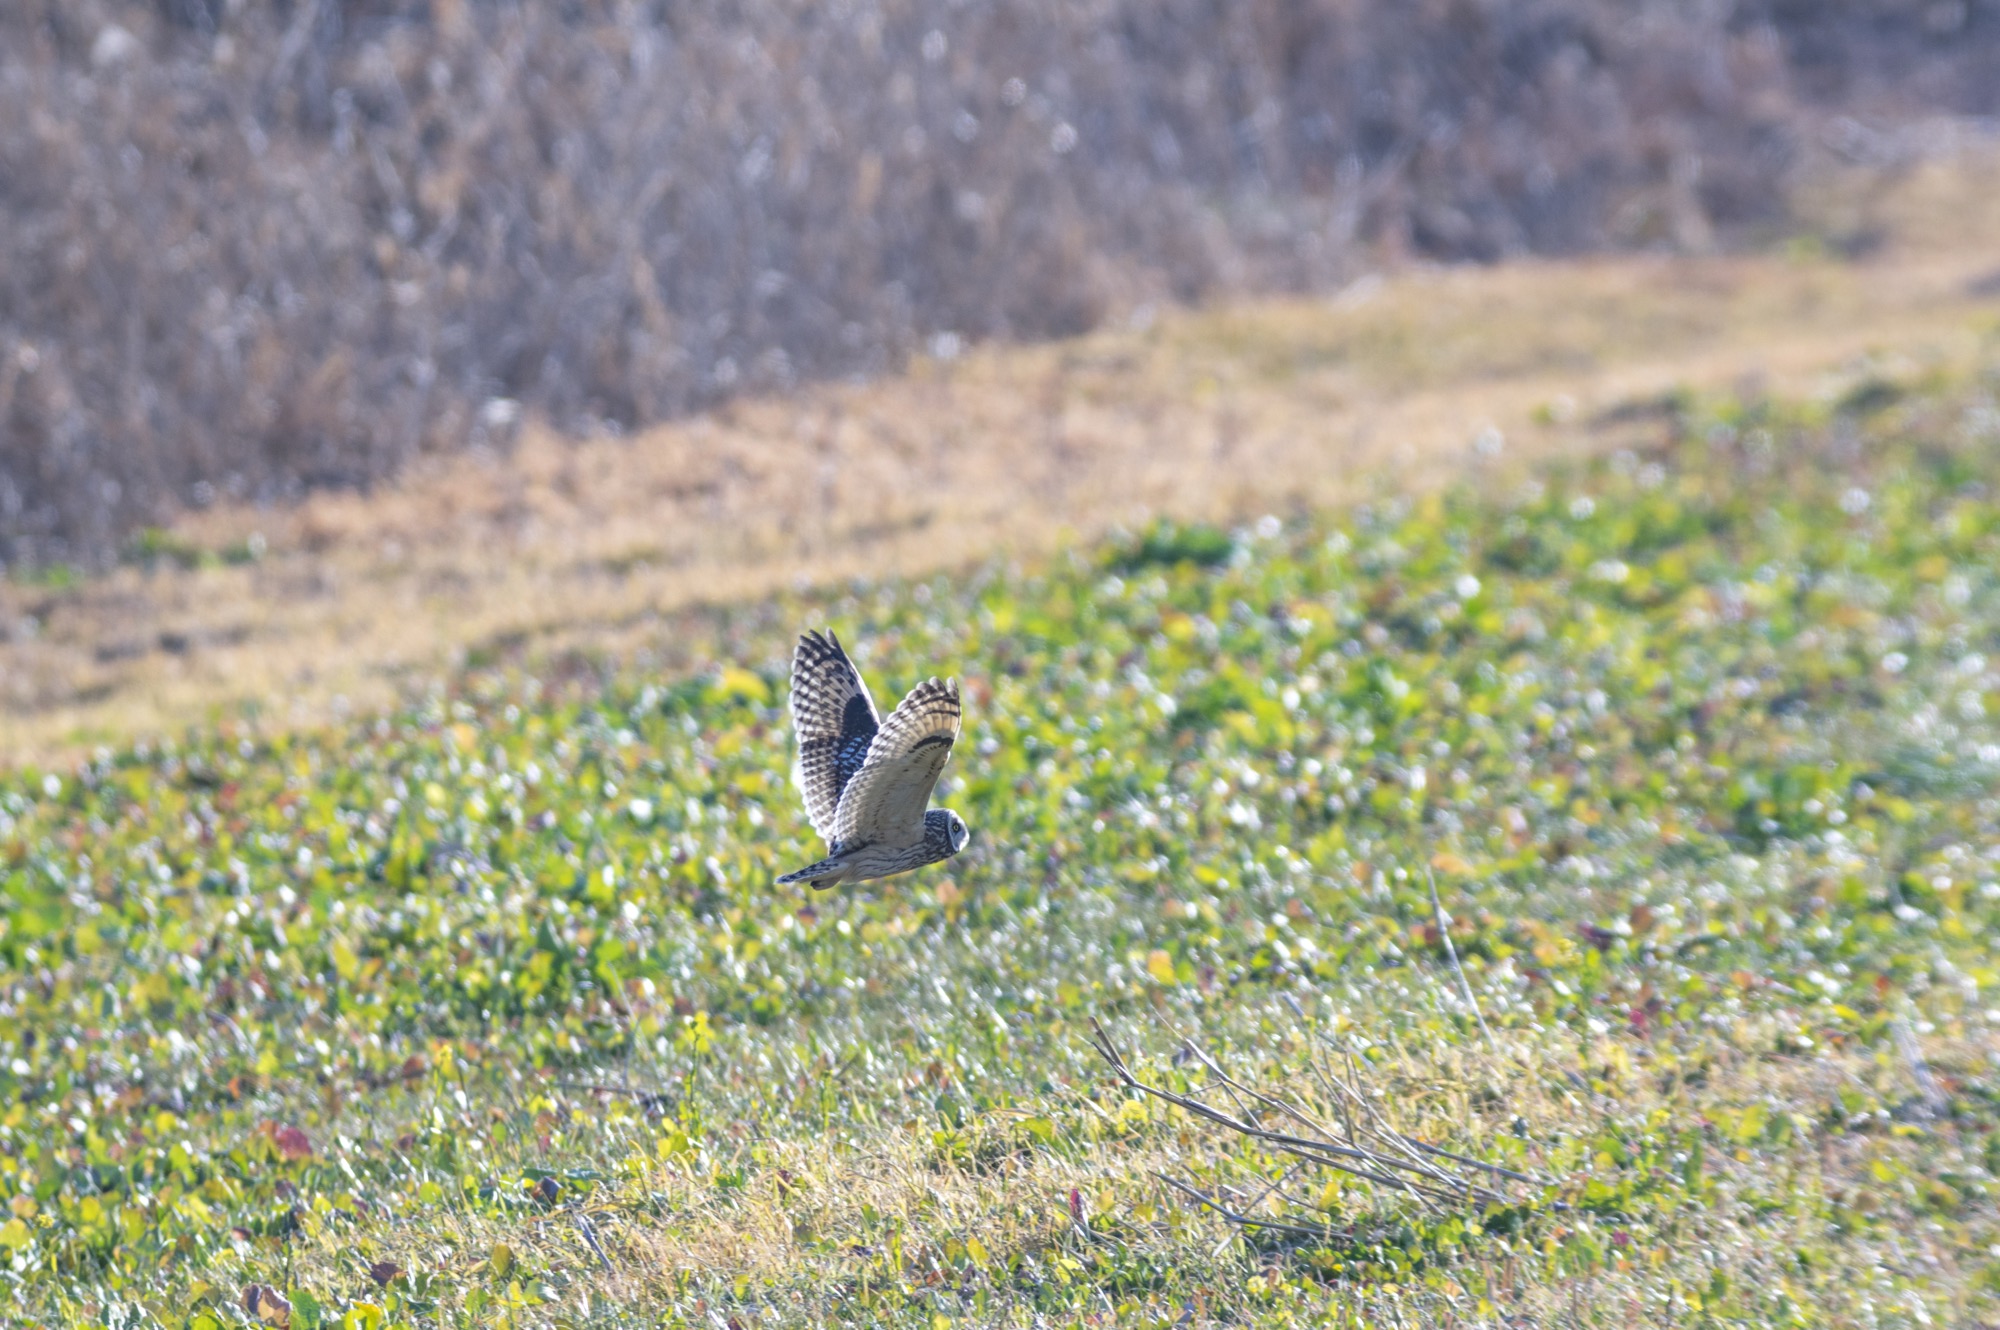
{"x":489,"y":1013}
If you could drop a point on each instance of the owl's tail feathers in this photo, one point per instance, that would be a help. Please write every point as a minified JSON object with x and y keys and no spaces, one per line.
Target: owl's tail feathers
{"x":825,"y":868}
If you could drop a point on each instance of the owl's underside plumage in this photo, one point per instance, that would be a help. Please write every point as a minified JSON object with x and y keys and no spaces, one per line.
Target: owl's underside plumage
{"x":866,"y":781}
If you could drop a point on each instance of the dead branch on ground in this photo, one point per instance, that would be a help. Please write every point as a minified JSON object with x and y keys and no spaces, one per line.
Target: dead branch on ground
{"x":1365,"y":1147}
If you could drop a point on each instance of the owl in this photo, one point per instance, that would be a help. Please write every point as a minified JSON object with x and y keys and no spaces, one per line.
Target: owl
{"x":865,"y":780}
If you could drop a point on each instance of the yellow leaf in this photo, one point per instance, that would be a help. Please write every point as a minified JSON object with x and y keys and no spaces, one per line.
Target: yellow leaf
{"x":977,"y":1251}
{"x":14,"y":1234}
{"x":1160,"y":965}
{"x":344,"y":959}
{"x":739,"y":682}
{"x":1447,"y":862}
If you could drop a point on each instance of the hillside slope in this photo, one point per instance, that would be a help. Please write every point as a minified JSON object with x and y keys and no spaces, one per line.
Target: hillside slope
{"x":580,"y":549}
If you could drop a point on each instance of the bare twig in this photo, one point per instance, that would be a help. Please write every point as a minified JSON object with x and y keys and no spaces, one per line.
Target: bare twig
{"x":1495,"y":1169}
{"x":1444,"y":932}
{"x":1935,"y":1103}
{"x":650,"y":1100}
{"x":1411,"y":1163}
{"x":1376,"y":1153}
{"x":1237,"y":1217}
{"x":584,"y":1227}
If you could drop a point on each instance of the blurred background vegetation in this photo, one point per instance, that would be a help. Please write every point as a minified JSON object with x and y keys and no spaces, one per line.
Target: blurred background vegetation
{"x":247,"y":249}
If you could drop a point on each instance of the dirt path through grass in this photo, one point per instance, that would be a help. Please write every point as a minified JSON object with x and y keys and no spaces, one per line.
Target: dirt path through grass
{"x":1406,"y":380}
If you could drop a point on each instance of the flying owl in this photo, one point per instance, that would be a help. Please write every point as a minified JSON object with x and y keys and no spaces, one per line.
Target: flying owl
{"x":865,"y":780}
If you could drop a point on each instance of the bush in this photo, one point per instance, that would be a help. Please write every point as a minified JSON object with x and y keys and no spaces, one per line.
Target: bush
{"x":248,"y":249}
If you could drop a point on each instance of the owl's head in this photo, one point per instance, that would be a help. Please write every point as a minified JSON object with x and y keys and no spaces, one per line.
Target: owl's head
{"x":960,"y":833}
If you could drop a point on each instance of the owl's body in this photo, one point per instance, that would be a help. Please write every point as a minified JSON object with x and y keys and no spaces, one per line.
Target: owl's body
{"x":866,"y":781}
{"x":873,"y":859}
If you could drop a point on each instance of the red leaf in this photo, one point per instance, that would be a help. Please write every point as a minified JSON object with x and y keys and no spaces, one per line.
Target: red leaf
{"x":267,"y":1305}
{"x":292,"y":1143}
{"x":384,"y":1271}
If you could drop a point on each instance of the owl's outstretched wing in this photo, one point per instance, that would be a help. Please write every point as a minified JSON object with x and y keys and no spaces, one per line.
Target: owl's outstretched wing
{"x":885,"y":800}
{"x":835,"y":721}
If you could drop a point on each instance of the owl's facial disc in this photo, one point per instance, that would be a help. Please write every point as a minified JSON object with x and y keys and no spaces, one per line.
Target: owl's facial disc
{"x":959,"y":834}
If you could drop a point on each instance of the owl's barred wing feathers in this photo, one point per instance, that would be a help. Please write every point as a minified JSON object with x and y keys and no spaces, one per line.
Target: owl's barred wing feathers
{"x":886,"y":798}
{"x":835,"y":721}
{"x":867,"y":780}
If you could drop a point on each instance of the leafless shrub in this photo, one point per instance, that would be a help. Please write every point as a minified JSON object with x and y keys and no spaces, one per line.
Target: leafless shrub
{"x":249,"y":249}
{"x":1363,"y":1145}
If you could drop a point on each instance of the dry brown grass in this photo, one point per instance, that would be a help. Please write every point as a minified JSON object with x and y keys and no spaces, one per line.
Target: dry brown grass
{"x":1218,"y":414}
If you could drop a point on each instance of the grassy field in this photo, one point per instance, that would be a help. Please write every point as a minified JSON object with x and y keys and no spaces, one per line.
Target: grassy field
{"x":487,"y":1012}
